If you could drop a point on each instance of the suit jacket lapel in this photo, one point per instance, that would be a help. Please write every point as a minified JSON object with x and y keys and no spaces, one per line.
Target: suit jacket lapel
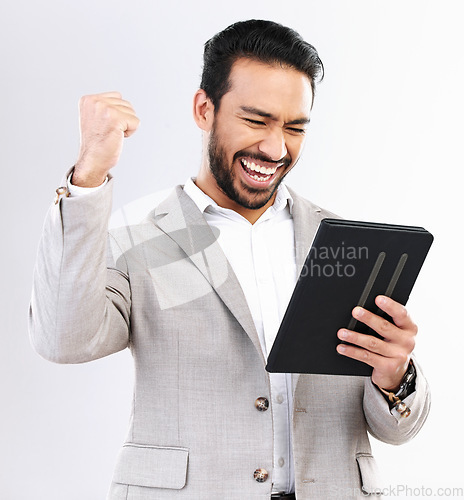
{"x":306,"y":220}
{"x":182,"y":221}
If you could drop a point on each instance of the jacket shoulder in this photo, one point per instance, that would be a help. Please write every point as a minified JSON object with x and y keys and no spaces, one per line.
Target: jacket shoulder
{"x":310,"y":207}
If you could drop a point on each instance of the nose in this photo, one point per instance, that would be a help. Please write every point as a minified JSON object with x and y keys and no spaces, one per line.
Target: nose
{"x":273,"y":144}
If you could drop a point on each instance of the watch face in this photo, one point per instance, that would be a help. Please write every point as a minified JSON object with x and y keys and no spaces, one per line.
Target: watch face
{"x":410,"y":374}
{"x":407,"y":382}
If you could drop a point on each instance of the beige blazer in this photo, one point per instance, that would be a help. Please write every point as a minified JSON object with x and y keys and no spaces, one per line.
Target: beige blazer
{"x":164,"y":289}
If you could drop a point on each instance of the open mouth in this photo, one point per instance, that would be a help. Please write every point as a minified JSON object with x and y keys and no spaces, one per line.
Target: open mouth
{"x":258,"y":172}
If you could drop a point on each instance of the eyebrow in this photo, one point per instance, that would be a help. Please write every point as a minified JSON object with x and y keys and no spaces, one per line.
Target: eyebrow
{"x":265,"y":114}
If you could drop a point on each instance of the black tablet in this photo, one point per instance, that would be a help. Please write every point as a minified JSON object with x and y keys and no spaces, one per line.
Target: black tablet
{"x":349,"y":264}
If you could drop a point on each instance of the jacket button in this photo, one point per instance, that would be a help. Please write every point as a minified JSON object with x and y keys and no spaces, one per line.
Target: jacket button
{"x":261,"y":475}
{"x":262,"y":404}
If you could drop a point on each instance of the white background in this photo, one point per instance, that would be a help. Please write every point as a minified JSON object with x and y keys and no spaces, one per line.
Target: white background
{"x":385,"y":144}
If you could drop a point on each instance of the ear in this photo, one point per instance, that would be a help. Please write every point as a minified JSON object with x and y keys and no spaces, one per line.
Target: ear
{"x":203,"y":110}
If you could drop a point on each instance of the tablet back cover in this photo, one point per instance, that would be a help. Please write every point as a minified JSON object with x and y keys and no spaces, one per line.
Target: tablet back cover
{"x":349,"y":264}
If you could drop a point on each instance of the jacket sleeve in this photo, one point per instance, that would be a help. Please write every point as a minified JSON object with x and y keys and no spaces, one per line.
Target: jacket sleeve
{"x":387,"y":424}
{"x":80,"y":305}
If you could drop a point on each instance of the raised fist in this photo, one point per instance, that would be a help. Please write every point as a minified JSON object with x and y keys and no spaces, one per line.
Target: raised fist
{"x":105,"y":119}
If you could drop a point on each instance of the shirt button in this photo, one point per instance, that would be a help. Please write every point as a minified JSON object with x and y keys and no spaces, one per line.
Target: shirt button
{"x":262,"y":404}
{"x":281,"y":462}
{"x":260,"y":475}
{"x":279,"y":398}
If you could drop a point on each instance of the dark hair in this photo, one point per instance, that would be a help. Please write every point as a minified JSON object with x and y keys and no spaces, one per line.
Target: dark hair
{"x":264,"y":41}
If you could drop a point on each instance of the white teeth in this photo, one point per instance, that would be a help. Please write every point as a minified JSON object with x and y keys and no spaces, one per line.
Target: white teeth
{"x":261,"y":179}
{"x":258,"y":168}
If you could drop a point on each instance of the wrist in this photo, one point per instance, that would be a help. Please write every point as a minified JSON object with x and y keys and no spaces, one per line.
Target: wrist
{"x":406,"y":387}
{"x":73,"y":190}
{"x":90,"y":179}
{"x":395,"y":387}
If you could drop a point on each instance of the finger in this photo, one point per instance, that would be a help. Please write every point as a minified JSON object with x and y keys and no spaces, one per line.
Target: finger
{"x":113,"y":93}
{"x":132,"y":124}
{"x":387,"y":371}
{"x":380,"y":325}
{"x":368,"y":342}
{"x":119,"y":107}
{"x":396,"y":311}
{"x":118,"y":102}
{"x":124,"y":118}
{"x":95,"y":104}
{"x":382,"y":364}
{"x":125,"y":111}
{"x":353,"y":352}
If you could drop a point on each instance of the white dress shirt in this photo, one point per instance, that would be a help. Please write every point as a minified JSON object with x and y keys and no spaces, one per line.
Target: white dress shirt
{"x":262,"y":256}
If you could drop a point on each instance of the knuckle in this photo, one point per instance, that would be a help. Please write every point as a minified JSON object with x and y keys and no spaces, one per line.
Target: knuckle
{"x":366,"y":355}
{"x":89,"y":98}
{"x":100,"y":105}
{"x":83,"y":101}
{"x":384,"y":326}
{"x":403,"y":359}
{"x":402,"y":312}
{"x":404,"y":318}
{"x":391,"y":365}
{"x":411,"y":344}
{"x":373,"y":343}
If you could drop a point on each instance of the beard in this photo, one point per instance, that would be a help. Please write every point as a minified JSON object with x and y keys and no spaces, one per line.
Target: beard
{"x":224,"y":175}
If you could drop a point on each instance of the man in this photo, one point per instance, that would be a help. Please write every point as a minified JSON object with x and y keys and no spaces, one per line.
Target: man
{"x":198,"y":289}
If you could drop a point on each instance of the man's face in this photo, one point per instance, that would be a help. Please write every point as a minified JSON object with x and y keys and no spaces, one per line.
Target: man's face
{"x":258,"y":132}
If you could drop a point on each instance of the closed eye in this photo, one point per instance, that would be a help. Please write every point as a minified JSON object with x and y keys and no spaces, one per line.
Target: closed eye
{"x":254,"y":122}
{"x":297,"y":130}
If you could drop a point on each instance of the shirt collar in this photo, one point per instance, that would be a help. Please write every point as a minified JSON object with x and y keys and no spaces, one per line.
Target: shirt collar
{"x":203,"y":201}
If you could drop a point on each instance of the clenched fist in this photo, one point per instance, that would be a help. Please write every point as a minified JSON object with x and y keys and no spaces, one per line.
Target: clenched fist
{"x":105,"y":119}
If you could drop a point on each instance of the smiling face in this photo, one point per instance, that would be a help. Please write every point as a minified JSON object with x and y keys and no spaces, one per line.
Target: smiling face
{"x":255,"y":137}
